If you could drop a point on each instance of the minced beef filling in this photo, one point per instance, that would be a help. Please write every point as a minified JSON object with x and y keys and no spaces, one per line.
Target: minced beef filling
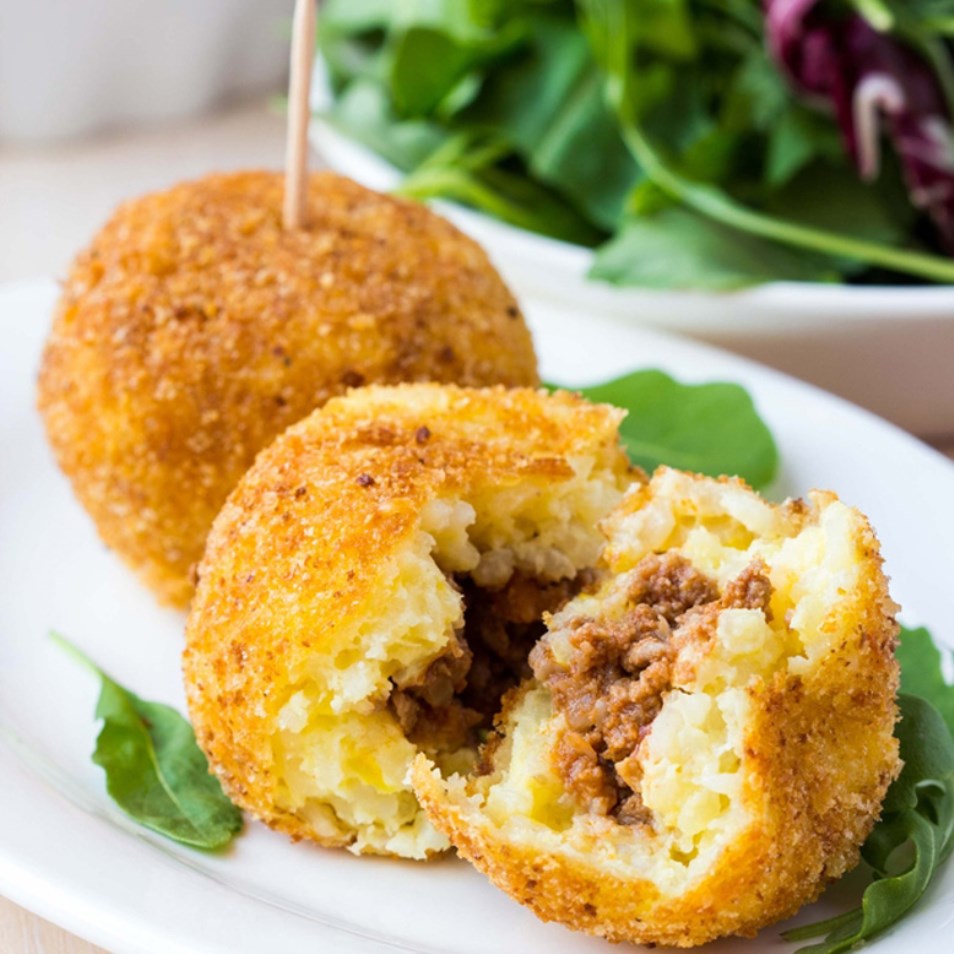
{"x":458,"y":695}
{"x":618,"y":671}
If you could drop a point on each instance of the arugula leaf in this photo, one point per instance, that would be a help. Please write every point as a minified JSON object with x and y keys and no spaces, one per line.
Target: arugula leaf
{"x":917,"y":821}
{"x":666,"y":27}
{"x":757,"y":94}
{"x":929,"y":15}
{"x":427,"y":62}
{"x":921,"y":672}
{"x":465,"y":169}
{"x":614,"y":29}
{"x":364,"y":113}
{"x":426,"y":65}
{"x":349,"y":37}
{"x":346,"y":17}
{"x":155,"y":771}
{"x":827,"y":197}
{"x":678,"y":248}
{"x":927,"y":750}
{"x":548,"y":104}
{"x":604,"y":104}
{"x":710,"y":428}
{"x":795,"y":138}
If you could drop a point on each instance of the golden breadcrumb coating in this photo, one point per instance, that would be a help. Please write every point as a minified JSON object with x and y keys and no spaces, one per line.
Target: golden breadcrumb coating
{"x":326,"y":643}
{"x":194,"y":329}
{"x":765,"y":738}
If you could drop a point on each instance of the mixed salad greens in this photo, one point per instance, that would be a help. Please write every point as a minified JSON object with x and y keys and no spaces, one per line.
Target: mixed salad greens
{"x":693,"y":143}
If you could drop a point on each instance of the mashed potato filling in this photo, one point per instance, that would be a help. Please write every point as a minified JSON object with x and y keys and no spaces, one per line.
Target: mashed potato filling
{"x":423,"y":666}
{"x":629,"y":745}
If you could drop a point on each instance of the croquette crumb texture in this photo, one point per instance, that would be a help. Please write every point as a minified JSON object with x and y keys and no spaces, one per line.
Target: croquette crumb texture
{"x":194,"y":329}
{"x":326,"y":584}
{"x":765,"y":769}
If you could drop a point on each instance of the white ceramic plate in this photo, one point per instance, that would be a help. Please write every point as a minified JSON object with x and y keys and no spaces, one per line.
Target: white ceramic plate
{"x":69,"y":855}
{"x":887,"y":348}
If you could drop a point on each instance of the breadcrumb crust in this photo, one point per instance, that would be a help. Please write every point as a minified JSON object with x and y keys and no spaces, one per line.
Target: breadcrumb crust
{"x":194,"y":329}
{"x":295,"y":555}
{"x":821,"y":755}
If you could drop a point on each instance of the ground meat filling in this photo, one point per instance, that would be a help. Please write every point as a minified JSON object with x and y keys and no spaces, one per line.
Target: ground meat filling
{"x":455,"y":699}
{"x":612,"y":687}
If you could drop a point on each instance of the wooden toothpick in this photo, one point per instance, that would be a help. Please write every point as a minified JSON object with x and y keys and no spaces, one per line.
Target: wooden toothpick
{"x":294,"y":212}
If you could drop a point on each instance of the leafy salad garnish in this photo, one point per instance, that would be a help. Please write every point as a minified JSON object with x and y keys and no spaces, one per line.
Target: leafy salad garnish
{"x":916,"y":832}
{"x":155,"y":771}
{"x":707,"y":428}
{"x":695,"y":143}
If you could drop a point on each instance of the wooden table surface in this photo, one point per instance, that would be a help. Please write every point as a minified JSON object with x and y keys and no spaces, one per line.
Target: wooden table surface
{"x":24,"y":933}
{"x":53,"y":198}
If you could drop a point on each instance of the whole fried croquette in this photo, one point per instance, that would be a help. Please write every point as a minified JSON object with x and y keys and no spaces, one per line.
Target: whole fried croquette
{"x":707,"y":736}
{"x":374,"y":585}
{"x":194,"y":329}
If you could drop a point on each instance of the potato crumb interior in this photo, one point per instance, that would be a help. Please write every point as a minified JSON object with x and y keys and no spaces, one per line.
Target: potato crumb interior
{"x":411,"y":671}
{"x":637,"y":720}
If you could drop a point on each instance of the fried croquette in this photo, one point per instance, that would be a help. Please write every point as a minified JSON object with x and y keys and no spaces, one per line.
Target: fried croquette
{"x":707,"y":736}
{"x":374,"y":585}
{"x":194,"y":329}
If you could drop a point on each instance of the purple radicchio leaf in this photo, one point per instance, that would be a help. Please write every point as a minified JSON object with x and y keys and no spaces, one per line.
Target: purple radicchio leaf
{"x":869,"y":79}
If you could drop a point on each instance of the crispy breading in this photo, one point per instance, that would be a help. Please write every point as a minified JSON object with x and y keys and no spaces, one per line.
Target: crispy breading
{"x":765,"y":769}
{"x":327,"y":584}
{"x":194,"y":329}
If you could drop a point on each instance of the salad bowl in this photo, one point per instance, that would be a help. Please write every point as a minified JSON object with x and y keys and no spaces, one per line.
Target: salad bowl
{"x":887,"y":348}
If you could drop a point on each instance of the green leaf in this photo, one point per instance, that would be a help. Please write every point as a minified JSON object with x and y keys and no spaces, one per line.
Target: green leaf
{"x":364,"y":113}
{"x":615,"y":30}
{"x":877,"y":12}
{"x":351,"y":39}
{"x":666,"y":27}
{"x":832,"y":197}
{"x":794,"y":140}
{"x":428,"y":61}
{"x":347,"y":17}
{"x":647,"y":199}
{"x":903,"y":15}
{"x":673,"y":106}
{"x":922,"y":673}
{"x":155,"y":771}
{"x":889,"y":899}
{"x":465,"y":168}
{"x":709,"y":428}
{"x":916,"y":831}
{"x":598,"y":97}
{"x":927,"y":750}
{"x":678,"y":248}
{"x":757,"y":95}
{"x":548,"y":103}
{"x":425,"y":67}
{"x":460,"y":20}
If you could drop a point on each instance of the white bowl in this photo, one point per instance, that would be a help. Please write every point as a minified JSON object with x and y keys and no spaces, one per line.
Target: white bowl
{"x":890,"y":349}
